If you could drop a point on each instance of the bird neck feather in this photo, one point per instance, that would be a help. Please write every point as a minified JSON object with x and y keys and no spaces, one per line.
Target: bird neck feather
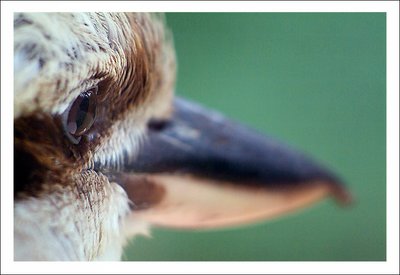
{"x":83,"y":222}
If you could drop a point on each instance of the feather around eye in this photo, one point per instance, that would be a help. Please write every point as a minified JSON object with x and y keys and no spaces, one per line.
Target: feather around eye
{"x":79,"y":118}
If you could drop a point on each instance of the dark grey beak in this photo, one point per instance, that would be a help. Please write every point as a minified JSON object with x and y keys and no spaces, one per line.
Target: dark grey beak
{"x":199,"y":146}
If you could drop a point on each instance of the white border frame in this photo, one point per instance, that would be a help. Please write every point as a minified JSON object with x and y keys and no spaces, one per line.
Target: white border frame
{"x":390,"y":266}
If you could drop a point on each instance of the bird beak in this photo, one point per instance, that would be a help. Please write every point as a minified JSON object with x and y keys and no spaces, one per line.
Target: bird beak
{"x":201,"y":170}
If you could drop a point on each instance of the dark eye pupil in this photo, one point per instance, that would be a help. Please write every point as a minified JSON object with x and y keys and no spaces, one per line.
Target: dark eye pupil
{"x":82,"y":113}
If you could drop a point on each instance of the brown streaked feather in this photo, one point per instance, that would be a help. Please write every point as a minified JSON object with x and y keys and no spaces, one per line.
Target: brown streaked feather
{"x":128,"y":56}
{"x":79,"y":213}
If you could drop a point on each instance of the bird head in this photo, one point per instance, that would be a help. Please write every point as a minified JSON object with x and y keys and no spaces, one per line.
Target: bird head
{"x":103,"y":148}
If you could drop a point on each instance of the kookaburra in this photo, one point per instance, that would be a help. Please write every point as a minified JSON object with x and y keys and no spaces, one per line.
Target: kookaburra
{"x":103,"y":149}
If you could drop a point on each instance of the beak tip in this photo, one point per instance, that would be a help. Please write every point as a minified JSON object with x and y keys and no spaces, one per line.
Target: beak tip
{"x":341,"y":194}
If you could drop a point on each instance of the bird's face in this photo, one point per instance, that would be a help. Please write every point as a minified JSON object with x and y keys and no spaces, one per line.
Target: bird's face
{"x":102,"y":148}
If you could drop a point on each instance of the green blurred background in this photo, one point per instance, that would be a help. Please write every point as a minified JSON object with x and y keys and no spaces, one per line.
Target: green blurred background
{"x":314,"y":80}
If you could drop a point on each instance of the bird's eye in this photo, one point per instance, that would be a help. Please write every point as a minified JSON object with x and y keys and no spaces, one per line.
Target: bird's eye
{"x":82,"y":113}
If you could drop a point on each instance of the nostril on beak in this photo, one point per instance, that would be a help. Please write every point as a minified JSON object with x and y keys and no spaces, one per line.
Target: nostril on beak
{"x":158,"y":124}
